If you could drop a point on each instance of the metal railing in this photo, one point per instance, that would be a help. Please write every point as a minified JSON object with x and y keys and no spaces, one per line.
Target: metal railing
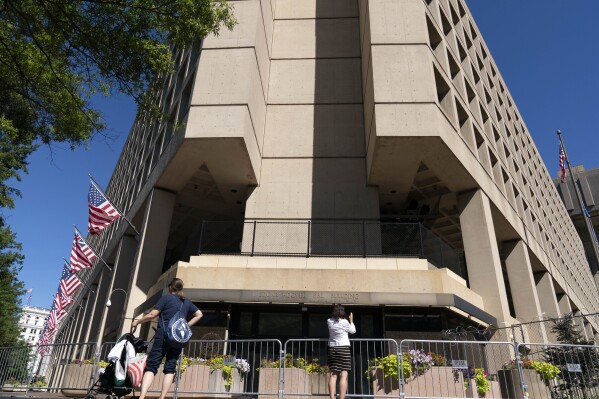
{"x":268,"y":369}
{"x":328,"y":238}
{"x":559,"y":371}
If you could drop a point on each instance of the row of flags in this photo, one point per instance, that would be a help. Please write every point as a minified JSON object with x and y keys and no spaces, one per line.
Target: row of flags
{"x":101,"y":214}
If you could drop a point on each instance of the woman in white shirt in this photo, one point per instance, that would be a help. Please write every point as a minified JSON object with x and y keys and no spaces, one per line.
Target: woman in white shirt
{"x":339,"y":356}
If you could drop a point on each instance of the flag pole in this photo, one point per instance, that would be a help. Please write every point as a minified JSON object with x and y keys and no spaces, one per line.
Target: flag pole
{"x":97,"y":186}
{"x":583,"y":211}
{"x":90,"y":247}
{"x":67,"y":265}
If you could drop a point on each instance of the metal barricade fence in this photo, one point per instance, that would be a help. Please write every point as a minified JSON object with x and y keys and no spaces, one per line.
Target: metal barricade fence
{"x":17,"y":365}
{"x":229,"y":367}
{"x":559,"y":371}
{"x":70,"y":368}
{"x":306,"y":373}
{"x":452,"y":369}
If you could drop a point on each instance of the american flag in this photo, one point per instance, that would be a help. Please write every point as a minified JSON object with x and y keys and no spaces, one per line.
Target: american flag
{"x":69,"y":283}
{"x":562,"y":163}
{"x":57,"y":301}
{"x":81,"y":254}
{"x":101,"y":211}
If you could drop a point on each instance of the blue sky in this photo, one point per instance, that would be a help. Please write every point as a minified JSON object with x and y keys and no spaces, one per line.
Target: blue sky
{"x":546,"y":51}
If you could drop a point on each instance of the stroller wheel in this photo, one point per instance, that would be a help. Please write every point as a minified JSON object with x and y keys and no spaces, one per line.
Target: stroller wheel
{"x":90,"y":396}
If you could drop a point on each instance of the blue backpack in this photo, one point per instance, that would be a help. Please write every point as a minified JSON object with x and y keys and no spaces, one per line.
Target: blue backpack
{"x":178,"y":332}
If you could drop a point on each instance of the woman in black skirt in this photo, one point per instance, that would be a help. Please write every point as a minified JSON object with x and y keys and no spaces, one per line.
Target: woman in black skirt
{"x":339,"y":356}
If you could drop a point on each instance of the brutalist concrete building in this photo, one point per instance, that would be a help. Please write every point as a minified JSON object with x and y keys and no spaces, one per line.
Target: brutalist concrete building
{"x":364,"y":152}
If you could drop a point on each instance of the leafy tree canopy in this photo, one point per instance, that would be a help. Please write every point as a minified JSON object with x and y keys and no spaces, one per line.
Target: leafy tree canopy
{"x":54,"y":56}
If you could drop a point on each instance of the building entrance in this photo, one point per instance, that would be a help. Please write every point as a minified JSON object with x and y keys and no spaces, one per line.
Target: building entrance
{"x":285,"y":322}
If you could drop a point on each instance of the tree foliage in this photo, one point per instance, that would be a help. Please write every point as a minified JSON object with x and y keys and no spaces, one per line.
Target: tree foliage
{"x":10,"y":288}
{"x":573,"y":384}
{"x":55,"y":55}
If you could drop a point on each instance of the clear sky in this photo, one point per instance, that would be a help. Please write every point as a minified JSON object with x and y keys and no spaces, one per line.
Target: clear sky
{"x":546,"y":50}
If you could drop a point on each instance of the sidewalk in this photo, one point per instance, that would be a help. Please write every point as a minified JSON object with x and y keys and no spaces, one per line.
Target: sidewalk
{"x":31,"y":394}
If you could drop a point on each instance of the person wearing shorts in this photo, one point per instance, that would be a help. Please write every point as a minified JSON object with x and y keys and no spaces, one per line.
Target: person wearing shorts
{"x":166,"y":307}
{"x":339,"y":354}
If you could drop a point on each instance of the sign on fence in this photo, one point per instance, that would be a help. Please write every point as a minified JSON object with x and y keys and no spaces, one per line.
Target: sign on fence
{"x":459,"y":364}
{"x":573,"y":367}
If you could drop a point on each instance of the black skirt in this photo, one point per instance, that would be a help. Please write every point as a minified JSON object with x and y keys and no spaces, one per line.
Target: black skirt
{"x":339,"y":358}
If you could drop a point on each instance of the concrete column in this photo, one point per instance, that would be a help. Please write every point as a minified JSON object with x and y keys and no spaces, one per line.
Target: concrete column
{"x":147,"y":267}
{"x":482,"y":255}
{"x":546,"y":293}
{"x":563,"y":302}
{"x":579,"y":323}
{"x":86,"y":318}
{"x":522,"y":283}
{"x":123,"y":266}
{"x":99,"y":304}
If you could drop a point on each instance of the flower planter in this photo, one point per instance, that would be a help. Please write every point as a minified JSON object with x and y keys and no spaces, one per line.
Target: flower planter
{"x":494,"y":391}
{"x":435,"y":382}
{"x":216,"y":383}
{"x":511,"y":387}
{"x":38,"y":389}
{"x":14,"y":388}
{"x":77,"y":378}
{"x":194,"y":379}
{"x":319,"y":384}
{"x":296,"y":383}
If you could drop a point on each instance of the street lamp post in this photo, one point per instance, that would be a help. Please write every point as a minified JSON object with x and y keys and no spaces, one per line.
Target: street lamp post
{"x":109,"y":304}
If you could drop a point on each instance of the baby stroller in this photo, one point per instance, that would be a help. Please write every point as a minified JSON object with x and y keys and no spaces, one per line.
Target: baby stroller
{"x":124,"y":371}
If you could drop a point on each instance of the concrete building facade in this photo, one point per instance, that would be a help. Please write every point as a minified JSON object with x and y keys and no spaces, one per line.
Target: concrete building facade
{"x":366,"y":152}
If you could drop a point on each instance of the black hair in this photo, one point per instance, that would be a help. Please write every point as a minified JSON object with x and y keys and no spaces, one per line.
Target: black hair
{"x":176,"y":287}
{"x":338,"y":311}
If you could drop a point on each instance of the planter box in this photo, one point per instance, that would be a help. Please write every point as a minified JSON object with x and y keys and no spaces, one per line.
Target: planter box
{"x":38,"y":389}
{"x":14,"y":388}
{"x":436,"y":382}
{"x":76,"y":379}
{"x":195,"y":378}
{"x":296,"y":383}
{"x":509,"y":383}
{"x":494,"y":392}
{"x":198,"y":381}
{"x":319,"y":384}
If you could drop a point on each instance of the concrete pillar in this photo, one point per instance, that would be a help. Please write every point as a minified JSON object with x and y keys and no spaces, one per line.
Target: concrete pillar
{"x":147,"y":267}
{"x":579,"y":323}
{"x":99,"y":304}
{"x":121,"y":276}
{"x":563,"y":302}
{"x":548,"y":300}
{"x":86,"y":317}
{"x":482,"y":255}
{"x":546,"y":293}
{"x":522,"y":283}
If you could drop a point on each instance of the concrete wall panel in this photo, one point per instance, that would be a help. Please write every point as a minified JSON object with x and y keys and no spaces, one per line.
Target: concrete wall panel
{"x":315,"y":81}
{"x":290,"y":9}
{"x":315,"y":38}
{"x":314,"y":131}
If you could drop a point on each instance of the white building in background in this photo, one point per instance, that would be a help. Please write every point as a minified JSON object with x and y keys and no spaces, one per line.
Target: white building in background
{"x":32,"y":323}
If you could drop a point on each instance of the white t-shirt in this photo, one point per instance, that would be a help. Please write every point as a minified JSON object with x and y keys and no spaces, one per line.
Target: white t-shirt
{"x":338,"y":330}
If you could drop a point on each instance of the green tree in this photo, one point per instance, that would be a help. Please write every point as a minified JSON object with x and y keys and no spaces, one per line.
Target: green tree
{"x":10,"y":288}
{"x":571,"y":383}
{"x":55,"y":55}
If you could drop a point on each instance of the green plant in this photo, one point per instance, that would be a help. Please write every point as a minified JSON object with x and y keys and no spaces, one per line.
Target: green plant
{"x":390,"y":365}
{"x":481,"y":379}
{"x":228,"y":364}
{"x":13,"y":381}
{"x":547,"y":371}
